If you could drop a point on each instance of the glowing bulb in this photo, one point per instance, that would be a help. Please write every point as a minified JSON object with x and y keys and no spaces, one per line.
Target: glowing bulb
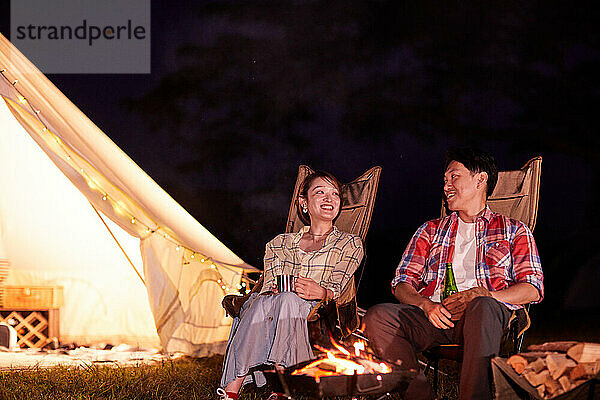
{"x":133,"y":220}
{"x":67,"y":158}
{"x":218,"y":281}
{"x":165,"y":235}
{"x":44,"y":129}
{"x":148,"y":230}
{"x":239,"y":286}
{"x":15,"y":82}
{"x":81,"y":170}
{"x":244,"y":284}
{"x":202,"y":260}
{"x":104,"y":197}
{"x":22,"y":99}
{"x":192,"y":256}
{"x":223,"y":287}
{"x":177,"y":248}
{"x":37,"y":111}
{"x":213,"y":266}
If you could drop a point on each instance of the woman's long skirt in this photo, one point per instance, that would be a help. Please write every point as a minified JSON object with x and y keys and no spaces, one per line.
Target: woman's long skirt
{"x":271,"y":329}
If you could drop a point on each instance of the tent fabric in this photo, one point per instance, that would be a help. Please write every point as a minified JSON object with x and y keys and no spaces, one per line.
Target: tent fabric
{"x":58,"y":172}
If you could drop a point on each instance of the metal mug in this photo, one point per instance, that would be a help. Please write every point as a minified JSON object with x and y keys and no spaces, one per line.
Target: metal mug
{"x":285,"y":283}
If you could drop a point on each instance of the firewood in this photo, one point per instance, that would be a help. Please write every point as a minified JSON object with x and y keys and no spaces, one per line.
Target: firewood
{"x":585,"y":352}
{"x":565,"y":383}
{"x":325,"y":366}
{"x":552,"y":386}
{"x":536,"y":366}
{"x":561,"y":347}
{"x":583,"y":371}
{"x":517,"y":362}
{"x":541,"y":389}
{"x":557,"y":364}
{"x":531,"y":356}
{"x":536,"y":379}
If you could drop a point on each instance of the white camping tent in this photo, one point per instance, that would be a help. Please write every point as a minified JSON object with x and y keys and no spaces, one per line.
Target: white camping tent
{"x":75,"y":211}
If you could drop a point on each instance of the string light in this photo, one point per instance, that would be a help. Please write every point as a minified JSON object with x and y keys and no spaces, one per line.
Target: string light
{"x":119,"y":206}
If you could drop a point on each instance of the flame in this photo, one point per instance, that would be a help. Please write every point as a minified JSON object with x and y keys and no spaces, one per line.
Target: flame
{"x":339,"y":361}
{"x":358,"y":347}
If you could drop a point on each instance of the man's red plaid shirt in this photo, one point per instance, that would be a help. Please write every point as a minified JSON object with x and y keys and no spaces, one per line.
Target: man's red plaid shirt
{"x":506,"y":254}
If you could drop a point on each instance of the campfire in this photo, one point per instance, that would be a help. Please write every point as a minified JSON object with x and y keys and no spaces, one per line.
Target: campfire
{"x":341,"y":371}
{"x":340,"y":361}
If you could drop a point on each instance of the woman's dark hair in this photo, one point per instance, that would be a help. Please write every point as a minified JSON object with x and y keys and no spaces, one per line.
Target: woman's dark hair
{"x":307,"y":183}
{"x":476,"y":160}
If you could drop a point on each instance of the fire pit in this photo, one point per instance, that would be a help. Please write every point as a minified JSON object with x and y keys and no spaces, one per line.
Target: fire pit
{"x":338,"y":372}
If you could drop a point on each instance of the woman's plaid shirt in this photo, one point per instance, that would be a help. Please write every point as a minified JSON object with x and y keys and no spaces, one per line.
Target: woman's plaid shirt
{"x":506,"y":254}
{"x":332,"y":266}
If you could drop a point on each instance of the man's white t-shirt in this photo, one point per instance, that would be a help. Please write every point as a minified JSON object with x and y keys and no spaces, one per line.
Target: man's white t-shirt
{"x":463,"y":262}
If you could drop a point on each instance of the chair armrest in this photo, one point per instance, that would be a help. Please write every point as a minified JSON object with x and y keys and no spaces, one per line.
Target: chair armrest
{"x":232,"y":303}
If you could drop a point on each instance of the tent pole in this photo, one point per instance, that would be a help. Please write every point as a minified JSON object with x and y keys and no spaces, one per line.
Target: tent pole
{"x":119,"y":244}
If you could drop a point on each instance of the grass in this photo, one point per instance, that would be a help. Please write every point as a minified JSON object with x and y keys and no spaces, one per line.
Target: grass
{"x":185,"y":378}
{"x":179,"y":379}
{"x":189,"y":378}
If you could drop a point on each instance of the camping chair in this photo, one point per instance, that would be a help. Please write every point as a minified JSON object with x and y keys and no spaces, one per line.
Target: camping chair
{"x":340,"y":316}
{"x":516,"y":195}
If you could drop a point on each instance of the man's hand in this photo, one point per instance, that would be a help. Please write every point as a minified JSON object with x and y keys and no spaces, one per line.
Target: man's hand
{"x":457,"y":303}
{"x":437,"y":314}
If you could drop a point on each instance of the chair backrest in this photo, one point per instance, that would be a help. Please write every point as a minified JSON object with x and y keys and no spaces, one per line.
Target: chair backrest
{"x":517,"y":193}
{"x":358,"y":199}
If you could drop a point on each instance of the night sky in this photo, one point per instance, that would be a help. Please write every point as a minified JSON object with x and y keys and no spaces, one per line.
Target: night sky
{"x":242,"y":92}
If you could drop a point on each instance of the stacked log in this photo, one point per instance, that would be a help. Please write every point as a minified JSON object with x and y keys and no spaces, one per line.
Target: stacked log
{"x":557,"y":367}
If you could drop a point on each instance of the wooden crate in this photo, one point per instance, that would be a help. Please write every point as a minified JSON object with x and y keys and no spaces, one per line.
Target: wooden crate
{"x":35,"y":328}
{"x":31,"y":297}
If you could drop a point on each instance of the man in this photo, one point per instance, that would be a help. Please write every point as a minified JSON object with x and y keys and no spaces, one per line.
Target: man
{"x":496,"y":267}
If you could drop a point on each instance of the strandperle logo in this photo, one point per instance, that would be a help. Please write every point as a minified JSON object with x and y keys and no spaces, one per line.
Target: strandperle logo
{"x":85,"y":31}
{"x":83,"y":36}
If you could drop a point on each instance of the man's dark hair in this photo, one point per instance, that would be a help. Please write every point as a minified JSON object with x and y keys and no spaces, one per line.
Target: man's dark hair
{"x":476,"y":160}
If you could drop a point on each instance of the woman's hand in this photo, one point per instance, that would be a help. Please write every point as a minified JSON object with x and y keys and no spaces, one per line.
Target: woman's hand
{"x":308,"y":289}
{"x":274,"y":288}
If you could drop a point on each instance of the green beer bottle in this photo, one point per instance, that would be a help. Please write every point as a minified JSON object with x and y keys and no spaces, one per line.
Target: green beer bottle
{"x":449,"y":283}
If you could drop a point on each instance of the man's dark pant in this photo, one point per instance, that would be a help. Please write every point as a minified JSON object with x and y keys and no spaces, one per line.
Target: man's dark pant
{"x":399,"y":331}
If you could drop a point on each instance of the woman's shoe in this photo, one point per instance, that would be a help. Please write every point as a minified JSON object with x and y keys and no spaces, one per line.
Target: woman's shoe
{"x":223,"y":395}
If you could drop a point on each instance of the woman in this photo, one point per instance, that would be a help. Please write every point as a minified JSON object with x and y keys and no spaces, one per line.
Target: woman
{"x":272,"y":328}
